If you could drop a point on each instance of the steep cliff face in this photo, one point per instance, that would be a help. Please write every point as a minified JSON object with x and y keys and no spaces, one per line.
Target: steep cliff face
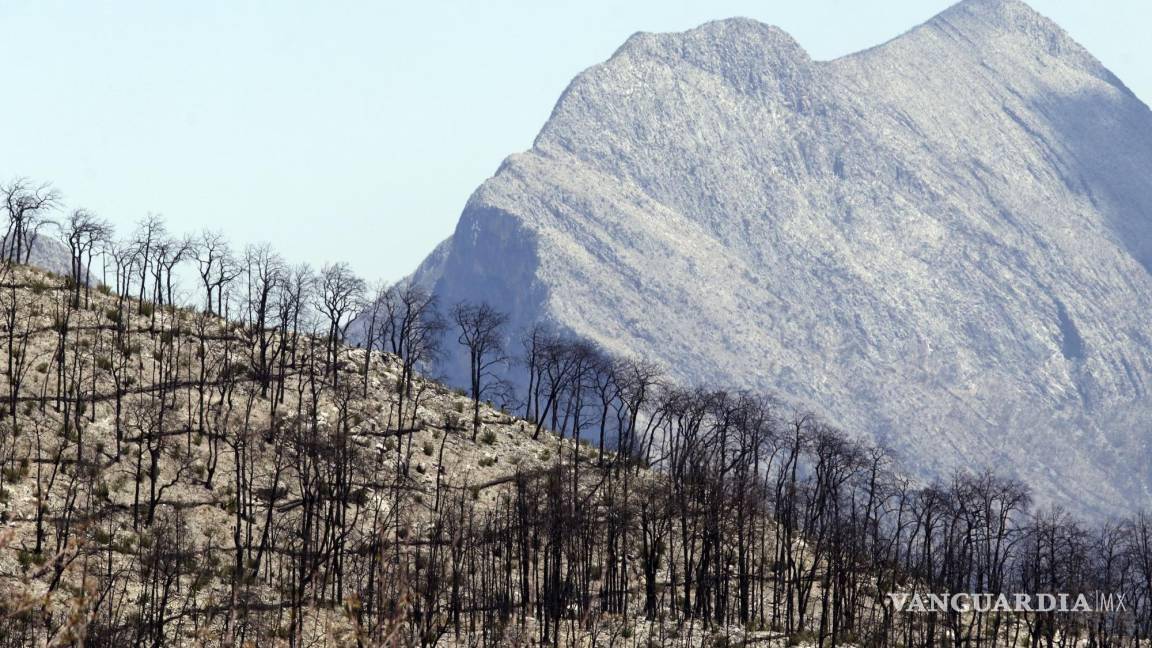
{"x":944,"y":242}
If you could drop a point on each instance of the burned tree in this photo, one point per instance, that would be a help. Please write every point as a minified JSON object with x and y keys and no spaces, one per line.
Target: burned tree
{"x":481,"y":332}
{"x":27,"y":206}
{"x":83,"y":233}
{"x":339,"y":298}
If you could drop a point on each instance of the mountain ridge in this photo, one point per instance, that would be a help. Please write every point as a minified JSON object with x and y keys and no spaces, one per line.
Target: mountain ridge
{"x":932,"y":241}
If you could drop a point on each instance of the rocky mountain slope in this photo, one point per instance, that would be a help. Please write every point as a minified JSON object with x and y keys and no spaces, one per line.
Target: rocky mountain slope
{"x":49,"y":254}
{"x":942,"y":242}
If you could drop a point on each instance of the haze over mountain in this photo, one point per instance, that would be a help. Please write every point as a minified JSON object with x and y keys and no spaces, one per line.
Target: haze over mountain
{"x":944,"y":242}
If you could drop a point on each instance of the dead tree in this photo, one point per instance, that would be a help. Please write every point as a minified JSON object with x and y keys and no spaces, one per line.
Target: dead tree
{"x":375,"y":328}
{"x":82,"y":233}
{"x":27,"y":206}
{"x":481,"y":329}
{"x":339,"y":299}
{"x":414,"y":330}
{"x":149,"y":231}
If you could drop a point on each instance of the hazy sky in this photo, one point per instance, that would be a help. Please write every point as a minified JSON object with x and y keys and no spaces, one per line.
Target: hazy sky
{"x":357,"y":130}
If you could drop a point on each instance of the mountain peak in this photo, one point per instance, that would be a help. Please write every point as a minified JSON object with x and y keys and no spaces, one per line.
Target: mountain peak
{"x":980,"y":21}
{"x":740,"y":57}
{"x":737,"y":37}
{"x":995,"y":7}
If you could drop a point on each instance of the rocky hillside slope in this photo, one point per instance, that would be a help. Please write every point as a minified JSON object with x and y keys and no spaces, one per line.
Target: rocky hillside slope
{"x":944,"y":242}
{"x":170,"y":477}
{"x":157,"y":487}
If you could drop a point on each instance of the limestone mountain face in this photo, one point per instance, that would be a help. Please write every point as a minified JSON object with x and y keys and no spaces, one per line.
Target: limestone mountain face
{"x":943,"y":242}
{"x":48,"y":254}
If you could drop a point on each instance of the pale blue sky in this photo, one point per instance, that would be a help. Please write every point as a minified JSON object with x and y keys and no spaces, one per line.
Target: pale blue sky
{"x":356,"y":130}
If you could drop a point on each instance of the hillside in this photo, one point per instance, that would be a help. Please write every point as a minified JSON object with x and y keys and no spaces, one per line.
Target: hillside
{"x":156,"y":490}
{"x":941,"y":243}
{"x":170,"y":477}
{"x":147,"y":506}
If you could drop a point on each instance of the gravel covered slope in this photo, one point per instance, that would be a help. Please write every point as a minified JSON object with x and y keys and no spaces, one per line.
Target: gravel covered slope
{"x":943,"y":241}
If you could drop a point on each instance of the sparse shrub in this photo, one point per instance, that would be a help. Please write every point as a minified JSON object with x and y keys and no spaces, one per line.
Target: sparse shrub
{"x":25,"y":558}
{"x":429,"y":449}
{"x":801,"y":638}
{"x":234,"y":371}
{"x":489,"y":437}
{"x":13,"y":474}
